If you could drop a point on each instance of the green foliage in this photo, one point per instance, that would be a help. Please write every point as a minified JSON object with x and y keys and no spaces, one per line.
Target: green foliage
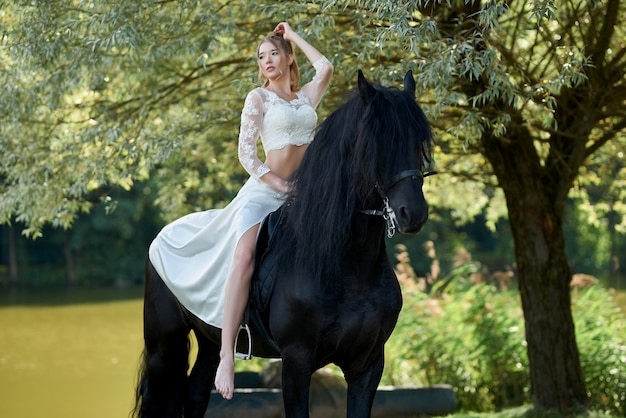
{"x":104,"y":248}
{"x":528,"y":411}
{"x":601,"y":336}
{"x":505,"y":70}
{"x":471,"y":340}
{"x":471,"y":336}
{"x":590,"y":252}
{"x":110,"y":246}
{"x":98,"y":93}
{"x":95,"y":94}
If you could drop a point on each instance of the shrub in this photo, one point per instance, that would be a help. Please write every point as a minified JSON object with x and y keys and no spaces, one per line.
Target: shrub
{"x":473,"y":341}
{"x":471,"y":336}
{"x":601,"y":337}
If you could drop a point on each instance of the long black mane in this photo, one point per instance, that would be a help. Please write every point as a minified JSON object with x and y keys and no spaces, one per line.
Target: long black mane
{"x":364,"y":142}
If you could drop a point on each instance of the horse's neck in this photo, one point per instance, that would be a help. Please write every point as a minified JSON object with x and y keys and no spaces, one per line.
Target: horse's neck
{"x":368,"y":232}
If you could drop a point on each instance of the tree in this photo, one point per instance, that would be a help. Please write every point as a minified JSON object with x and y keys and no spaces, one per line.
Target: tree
{"x":522,"y":95}
{"x":537,"y":92}
{"x":96,"y":94}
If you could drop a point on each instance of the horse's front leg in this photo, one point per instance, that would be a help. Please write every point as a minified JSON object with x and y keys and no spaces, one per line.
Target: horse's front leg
{"x":297,"y":371}
{"x":362,"y":386}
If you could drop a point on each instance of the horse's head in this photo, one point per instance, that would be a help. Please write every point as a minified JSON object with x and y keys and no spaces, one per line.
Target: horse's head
{"x":369,"y":154}
{"x":394,"y":139}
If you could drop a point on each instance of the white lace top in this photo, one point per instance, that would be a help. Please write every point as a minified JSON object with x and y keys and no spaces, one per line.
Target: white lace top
{"x":279,"y":122}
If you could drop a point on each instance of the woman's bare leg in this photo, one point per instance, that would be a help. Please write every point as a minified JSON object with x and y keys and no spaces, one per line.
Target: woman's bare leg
{"x":235,"y":300}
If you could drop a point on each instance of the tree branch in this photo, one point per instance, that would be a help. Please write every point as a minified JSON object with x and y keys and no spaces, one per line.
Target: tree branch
{"x":606,"y":137}
{"x":606,"y":32}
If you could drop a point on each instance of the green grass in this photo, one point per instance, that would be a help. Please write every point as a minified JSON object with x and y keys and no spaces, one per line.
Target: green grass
{"x":528,"y":411}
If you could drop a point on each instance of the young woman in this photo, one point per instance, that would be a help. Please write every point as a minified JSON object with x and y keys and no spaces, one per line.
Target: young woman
{"x":207,"y":258}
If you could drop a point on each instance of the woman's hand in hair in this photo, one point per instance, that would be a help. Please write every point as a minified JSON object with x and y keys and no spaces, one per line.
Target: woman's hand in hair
{"x":284,"y":29}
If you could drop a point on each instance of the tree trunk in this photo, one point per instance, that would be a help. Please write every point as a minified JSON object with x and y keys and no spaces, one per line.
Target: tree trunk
{"x":12,"y":256}
{"x":72,"y":278}
{"x":613,"y":219}
{"x":536,"y":206}
{"x":544,"y":277}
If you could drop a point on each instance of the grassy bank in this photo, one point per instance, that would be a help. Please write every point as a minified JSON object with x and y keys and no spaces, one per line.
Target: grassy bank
{"x":527,"y":411}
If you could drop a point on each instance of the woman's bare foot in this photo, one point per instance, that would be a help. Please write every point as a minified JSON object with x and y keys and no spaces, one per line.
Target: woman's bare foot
{"x":225,"y":377}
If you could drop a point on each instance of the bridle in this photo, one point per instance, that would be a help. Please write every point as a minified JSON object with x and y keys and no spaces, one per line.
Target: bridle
{"x":388,"y":213}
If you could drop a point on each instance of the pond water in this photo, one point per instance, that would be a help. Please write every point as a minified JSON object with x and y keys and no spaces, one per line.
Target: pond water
{"x":69,"y":354}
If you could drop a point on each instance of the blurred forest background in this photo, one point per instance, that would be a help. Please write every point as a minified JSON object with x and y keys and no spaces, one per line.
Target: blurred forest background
{"x":108,"y":246}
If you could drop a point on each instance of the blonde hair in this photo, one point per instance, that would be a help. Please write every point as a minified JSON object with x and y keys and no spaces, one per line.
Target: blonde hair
{"x":284,"y":46}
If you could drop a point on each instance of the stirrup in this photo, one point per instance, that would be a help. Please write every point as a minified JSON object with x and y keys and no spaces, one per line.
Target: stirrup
{"x":248,"y":355}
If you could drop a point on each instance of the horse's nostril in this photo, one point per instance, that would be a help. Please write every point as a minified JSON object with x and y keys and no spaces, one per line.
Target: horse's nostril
{"x":411,"y":221}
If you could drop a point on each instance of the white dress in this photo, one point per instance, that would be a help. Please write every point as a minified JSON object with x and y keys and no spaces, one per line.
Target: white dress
{"x":194,"y":254}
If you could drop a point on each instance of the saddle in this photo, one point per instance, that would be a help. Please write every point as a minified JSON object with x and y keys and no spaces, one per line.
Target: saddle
{"x":261,"y":288}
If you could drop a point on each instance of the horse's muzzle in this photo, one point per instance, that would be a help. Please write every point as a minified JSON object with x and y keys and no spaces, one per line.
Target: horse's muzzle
{"x":411,"y":220}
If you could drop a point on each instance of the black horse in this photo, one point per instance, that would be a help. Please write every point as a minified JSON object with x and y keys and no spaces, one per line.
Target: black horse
{"x":336,"y":298}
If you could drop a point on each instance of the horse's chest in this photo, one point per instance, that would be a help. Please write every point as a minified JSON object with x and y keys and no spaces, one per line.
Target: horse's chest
{"x":336,"y":319}
{"x":360,"y":321}
{"x":381,"y":302}
{"x":358,"y":307}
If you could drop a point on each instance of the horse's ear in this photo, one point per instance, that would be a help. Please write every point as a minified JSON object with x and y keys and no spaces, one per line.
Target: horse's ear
{"x":366,"y":90}
{"x":409,"y":83}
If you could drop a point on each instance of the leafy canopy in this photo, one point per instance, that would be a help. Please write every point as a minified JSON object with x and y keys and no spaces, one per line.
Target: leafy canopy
{"x":98,"y":94}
